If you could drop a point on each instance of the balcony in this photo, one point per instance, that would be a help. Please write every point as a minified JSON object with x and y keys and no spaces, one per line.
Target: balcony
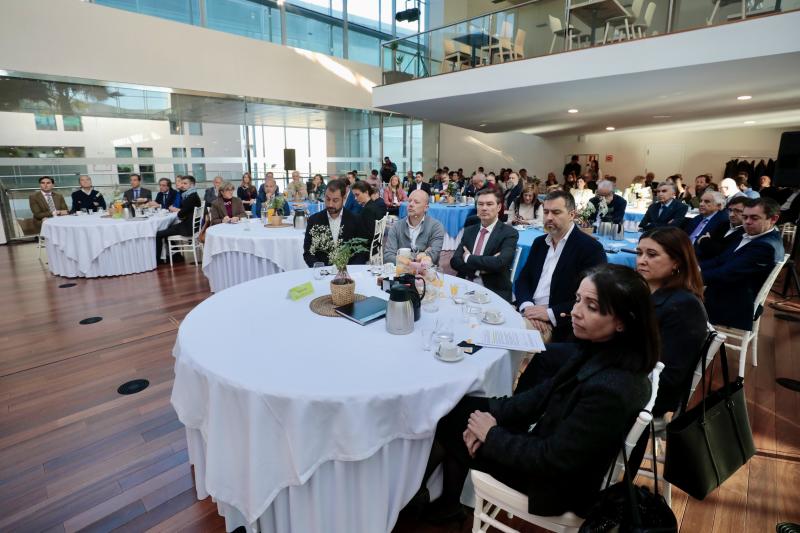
{"x":619,"y":64}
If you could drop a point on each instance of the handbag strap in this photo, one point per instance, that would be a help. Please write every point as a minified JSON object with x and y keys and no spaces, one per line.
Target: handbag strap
{"x":633,"y":500}
{"x":655,"y":461}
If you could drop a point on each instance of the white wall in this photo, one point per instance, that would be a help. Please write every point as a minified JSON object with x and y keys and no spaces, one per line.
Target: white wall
{"x":71,"y":38}
{"x":703,"y":151}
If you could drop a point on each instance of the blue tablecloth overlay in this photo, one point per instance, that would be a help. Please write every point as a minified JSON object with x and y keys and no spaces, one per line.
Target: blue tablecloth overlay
{"x":311,"y":208}
{"x":620,"y":258}
{"x":634,"y":216}
{"x":452,"y":217}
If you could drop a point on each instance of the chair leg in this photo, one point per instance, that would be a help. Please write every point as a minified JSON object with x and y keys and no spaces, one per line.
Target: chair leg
{"x":754,"y":342}
{"x":553,"y":43}
{"x":169,"y":253}
{"x":627,"y":29}
{"x":710,"y":20}
{"x":742,"y":357}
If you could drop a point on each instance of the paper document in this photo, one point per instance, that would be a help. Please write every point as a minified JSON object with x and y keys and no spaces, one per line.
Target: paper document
{"x":523,"y":340}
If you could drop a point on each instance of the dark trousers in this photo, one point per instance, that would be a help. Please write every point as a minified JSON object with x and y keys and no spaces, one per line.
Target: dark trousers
{"x":457,"y":461}
{"x":175,"y":229}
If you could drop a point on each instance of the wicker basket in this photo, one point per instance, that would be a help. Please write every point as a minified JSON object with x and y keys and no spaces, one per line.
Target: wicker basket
{"x":589,"y":230}
{"x":343,"y":293}
{"x":275,"y":220}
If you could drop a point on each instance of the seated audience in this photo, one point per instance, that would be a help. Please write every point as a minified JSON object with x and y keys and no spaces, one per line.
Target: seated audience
{"x":701,"y":184}
{"x":296,"y":190}
{"x":477,"y":183}
{"x":350,"y":203}
{"x":545,"y":288}
{"x":513,"y":189}
{"x":790,"y":209}
{"x":591,"y":181}
{"x":388,"y":169}
{"x":711,"y":219}
{"x":212,"y":193}
{"x":247,"y":192}
{"x":166,"y":196}
{"x":419,"y":184}
{"x":408,"y":179}
{"x":343,"y":225}
{"x":734,"y":278}
{"x":667,"y":211}
{"x":729,"y":188}
{"x":526,"y":210}
{"x":371,"y":211}
{"x":45,"y":203}
{"x":615,"y":203}
{"x":581,"y":193}
{"x":573,"y":167}
{"x":551,"y":179}
{"x":570,"y":182}
{"x":442,"y":183}
{"x":87,"y":198}
{"x":650,"y":181}
{"x":227,"y":208}
{"x":743,"y":184}
{"x":183,"y":225}
{"x":137,"y":194}
{"x":377,"y":187}
{"x":316,"y":187}
{"x":266,"y":195}
{"x":393,"y":195}
{"x":416,"y":232}
{"x":486,"y":250}
{"x":556,"y":442}
{"x":729,"y":230}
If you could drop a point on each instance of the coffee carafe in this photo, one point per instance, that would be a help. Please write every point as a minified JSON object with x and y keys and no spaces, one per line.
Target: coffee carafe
{"x":410,"y":281}
{"x":299,"y":221}
{"x":400,"y":311}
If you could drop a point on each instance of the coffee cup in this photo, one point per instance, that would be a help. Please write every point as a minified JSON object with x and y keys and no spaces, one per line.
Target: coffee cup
{"x":404,"y":252}
{"x":448,"y":351}
{"x":493,"y":315}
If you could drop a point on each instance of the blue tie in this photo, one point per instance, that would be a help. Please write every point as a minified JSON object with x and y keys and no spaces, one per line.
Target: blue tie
{"x":698,"y":230}
{"x":135,"y":194}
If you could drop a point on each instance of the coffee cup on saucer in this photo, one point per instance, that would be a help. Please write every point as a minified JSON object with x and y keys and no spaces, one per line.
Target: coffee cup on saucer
{"x":449,"y":351}
{"x":493,"y":316}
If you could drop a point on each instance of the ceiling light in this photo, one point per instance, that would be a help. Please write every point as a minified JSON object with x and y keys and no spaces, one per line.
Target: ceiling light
{"x":610,"y":128}
{"x":573,"y":111}
{"x":744,"y":97}
{"x":748,"y":122}
{"x":662,"y":116}
{"x":481,"y":124}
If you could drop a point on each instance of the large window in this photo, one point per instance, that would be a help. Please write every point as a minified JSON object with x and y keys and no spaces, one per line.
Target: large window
{"x":146,"y":170}
{"x":198,"y":169}
{"x":124,"y":170}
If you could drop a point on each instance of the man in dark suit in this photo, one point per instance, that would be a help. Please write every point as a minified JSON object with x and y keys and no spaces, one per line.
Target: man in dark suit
{"x":137,"y":193}
{"x":723,"y":232}
{"x":166,"y":194}
{"x":486,"y":250}
{"x":668,"y":211}
{"x":343,"y":225}
{"x":545,"y":288}
{"x":572,"y":167}
{"x":476,"y":183}
{"x":87,"y":197}
{"x":513,"y":191}
{"x":184,"y":225}
{"x":615,"y":204}
{"x":711,"y":217}
{"x":212,"y":193}
{"x":734,"y":278}
{"x":419,"y":184}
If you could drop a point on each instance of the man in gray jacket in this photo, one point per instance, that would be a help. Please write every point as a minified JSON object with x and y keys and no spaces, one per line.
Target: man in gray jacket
{"x":416,"y":231}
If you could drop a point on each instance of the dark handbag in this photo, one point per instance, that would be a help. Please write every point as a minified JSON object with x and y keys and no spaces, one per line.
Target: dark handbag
{"x":708,"y":443}
{"x":624,"y":507}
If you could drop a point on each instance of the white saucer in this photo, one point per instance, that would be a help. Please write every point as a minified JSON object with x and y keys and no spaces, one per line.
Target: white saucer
{"x":480,"y":298}
{"x":456,"y":360}
{"x":502,"y":320}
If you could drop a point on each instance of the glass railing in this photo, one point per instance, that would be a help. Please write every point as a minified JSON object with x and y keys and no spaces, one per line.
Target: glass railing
{"x":542,"y":27}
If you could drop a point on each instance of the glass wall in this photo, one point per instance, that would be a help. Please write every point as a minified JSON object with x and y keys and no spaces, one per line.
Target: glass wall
{"x":351,"y":29}
{"x":160,"y":134}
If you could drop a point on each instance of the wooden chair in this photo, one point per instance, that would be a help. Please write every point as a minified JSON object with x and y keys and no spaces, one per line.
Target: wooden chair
{"x":738,"y":339}
{"x":181,"y":243}
{"x":491,"y":496}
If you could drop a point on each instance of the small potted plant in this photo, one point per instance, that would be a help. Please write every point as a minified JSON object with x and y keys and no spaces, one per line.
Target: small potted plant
{"x":343,"y":287}
{"x":274,"y":211}
{"x":452,"y":189}
{"x":396,"y":75}
{"x":585,"y":217}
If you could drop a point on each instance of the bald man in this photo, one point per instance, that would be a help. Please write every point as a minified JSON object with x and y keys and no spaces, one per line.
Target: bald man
{"x":416,"y":231}
{"x":615,"y":203}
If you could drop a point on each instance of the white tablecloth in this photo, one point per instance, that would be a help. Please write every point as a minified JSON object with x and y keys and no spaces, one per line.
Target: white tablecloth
{"x":235,"y":253}
{"x":303,"y":423}
{"x":90,"y":246}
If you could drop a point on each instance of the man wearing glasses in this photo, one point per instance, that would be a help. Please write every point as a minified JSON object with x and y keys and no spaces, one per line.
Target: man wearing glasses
{"x":712,"y":243}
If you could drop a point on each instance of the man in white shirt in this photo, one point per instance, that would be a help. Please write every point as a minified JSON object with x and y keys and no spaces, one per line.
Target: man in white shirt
{"x":546,"y":286}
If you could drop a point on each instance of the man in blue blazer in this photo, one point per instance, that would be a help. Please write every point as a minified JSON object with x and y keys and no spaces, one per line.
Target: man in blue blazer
{"x":545,"y":289}
{"x":667,"y":211}
{"x":734,"y":278}
{"x":616,"y":203}
{"x":486,"y":251}
{"x":724,"y":229}
{"x":350,"y":203}
{"x":711,"y":219}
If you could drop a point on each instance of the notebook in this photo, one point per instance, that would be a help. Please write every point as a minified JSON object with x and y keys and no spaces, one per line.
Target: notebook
{"x":363,"y":312}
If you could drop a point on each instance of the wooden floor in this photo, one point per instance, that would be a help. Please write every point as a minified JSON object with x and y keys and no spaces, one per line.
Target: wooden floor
{"x":76,"y":455}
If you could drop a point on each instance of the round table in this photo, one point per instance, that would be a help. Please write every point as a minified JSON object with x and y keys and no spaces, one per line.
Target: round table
{"x":310,"y":208}
{"x":91,"y":246}
{"x":297,"y":422}
{"x":633,"y":216}
{"x":235,"y":253}
{"x":452,"y":217}
{"x":613,"y":248}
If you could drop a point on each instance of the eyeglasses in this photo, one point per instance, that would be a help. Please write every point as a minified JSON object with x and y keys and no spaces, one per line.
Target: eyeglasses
{"x":735,"y":210}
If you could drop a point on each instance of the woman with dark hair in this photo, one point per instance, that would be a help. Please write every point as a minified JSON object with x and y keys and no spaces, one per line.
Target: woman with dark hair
{"x":371,"y":211}
{"x":526,"y":209}
{"x":246,"y":192}
{"x":316,"y":186}
{"x":551,"y":179}
{"x":555,"y":442}
{"x":570,"y":182}
{"x":665,"y":258}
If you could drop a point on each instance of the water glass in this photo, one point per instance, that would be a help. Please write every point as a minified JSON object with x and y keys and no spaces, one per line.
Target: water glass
{"x":474,"y":315}
{"x":318,"y":268}
{"x":426,"y":331}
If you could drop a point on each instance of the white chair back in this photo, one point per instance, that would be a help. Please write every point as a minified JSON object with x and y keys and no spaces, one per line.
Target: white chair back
{"x":197,"y":218}
{"x":519,"y":43}
{"x":764,"y":292}
{"x":555,"y":23}
{"x":376,"y":246}
{"x":788,"y":233}
{"x":649,"y":13}
{"x":514,"y":265}
{"x":708,"y":358}
{"x":636,"y":8}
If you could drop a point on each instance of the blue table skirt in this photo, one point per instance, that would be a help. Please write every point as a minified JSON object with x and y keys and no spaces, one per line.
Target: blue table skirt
{"x":634,"y":217}
{"x":527,"y":237}
{"x":311,"y":208}
{"x":452,"y":218}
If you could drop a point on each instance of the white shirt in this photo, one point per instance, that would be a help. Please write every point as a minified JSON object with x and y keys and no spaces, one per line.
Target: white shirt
{"x":477,"y":251}
{"x":413,"y":232}
{"x":746,"y":238}
{"x":732,"y":229}
{"x":541,"y":296}
{"x":335,"y":225}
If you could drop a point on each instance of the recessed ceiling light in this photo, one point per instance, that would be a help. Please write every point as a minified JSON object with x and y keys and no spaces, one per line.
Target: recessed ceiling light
{"x":610,"y":128}
{"x":481,"y":124}
{"x":662,"y":116}
{"x":573,"y":111}
{"x":748,"y":122}
{"x":744,"y":97}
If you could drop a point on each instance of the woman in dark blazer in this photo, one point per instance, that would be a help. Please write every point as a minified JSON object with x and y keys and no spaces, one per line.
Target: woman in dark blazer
{"x":555,"y":442}
{"x":371,"y":211}
{"x":246,"y":192}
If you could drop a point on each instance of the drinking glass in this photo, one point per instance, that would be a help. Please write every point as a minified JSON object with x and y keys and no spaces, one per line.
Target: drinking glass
{"x":474,"y":314}
{"x":426,"y":330}
{"x":318,"y":267}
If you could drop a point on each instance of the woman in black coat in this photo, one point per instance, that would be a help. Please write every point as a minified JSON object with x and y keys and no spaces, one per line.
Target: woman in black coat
{"x":556,"y":441}
{"x":371,"y":211}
